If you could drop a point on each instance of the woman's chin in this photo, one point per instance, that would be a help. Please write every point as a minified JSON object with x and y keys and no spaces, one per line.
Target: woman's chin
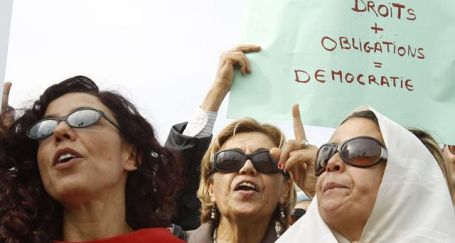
{"x":331,"y":207}
{"x":247,"y":212}
{"x":71,"y":193}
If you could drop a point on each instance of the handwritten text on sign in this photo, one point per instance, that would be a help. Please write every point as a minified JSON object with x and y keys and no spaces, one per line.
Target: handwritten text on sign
{"x":397,"y":11}
{"x":332,"y":56}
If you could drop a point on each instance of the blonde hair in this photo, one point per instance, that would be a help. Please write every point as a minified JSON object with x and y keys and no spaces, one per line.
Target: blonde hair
{"x":240,"y":126}
{"x":434,"y":149}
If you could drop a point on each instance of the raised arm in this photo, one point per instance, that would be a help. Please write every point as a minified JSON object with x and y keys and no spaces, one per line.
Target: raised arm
{"x":234,"y":58}
{"x":191,"y":140}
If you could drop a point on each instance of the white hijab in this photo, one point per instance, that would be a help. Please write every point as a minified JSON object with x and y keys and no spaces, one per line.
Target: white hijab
{"x":413,"y":203}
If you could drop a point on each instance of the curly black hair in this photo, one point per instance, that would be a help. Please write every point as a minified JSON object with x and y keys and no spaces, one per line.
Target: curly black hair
{"x":29,"y":214}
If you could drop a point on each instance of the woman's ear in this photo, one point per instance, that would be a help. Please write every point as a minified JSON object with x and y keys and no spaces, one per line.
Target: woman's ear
{"x":210,"y":191}
{"x":288,"y":190}
{"x":130,"y":158}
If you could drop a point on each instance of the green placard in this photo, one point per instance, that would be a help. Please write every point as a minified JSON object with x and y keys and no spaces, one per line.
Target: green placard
{"x":331,"y":56}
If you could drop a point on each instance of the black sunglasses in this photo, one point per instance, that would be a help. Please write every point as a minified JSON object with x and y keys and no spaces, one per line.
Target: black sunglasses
{"x":360,"y":152}
{"x":232,"y":160}
{"x":79,"y":118}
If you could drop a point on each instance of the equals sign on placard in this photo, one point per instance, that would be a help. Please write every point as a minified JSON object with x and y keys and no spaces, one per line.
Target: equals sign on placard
{"x":377,"y":64}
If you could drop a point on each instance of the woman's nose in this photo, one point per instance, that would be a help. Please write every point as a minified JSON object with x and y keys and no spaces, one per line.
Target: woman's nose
{"x":335,"y":164}
{"x":63,"y":131}
{"x":248,"y":168}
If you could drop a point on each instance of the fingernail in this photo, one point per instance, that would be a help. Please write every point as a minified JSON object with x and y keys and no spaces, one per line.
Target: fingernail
{"x":281,"y":165}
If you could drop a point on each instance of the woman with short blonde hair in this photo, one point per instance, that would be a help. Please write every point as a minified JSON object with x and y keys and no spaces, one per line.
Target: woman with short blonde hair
{"x":245,"y":197}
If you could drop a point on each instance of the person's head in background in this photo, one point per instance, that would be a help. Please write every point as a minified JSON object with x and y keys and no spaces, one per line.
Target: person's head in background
{"x":256,"y":191}
{"x":302,"y":203}
{"x":79,"y":148}
{"x":444,"y":164}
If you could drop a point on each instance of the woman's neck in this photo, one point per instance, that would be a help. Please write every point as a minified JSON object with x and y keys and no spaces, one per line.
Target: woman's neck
{"x":241,"y":231}
{"x":352,"y":233}
{"x":96,"y":219}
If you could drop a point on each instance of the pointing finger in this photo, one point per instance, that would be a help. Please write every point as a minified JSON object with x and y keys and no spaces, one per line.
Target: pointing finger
{"x":299,"y":131}
{"x":5,"y":96}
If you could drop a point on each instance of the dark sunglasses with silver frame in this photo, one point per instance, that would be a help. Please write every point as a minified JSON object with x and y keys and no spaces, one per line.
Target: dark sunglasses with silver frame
{"x":79,"y":118}
{"x":362,"y":152}
{"x":232,"y":160}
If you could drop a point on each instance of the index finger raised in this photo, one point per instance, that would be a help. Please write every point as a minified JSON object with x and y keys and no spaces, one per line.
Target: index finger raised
{"x":5,"y":96}
{"x":299,"y":131}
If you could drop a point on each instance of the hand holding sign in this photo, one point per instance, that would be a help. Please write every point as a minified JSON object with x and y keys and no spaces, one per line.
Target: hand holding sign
{"x":298,"y":157}
{"x":234,"y":58}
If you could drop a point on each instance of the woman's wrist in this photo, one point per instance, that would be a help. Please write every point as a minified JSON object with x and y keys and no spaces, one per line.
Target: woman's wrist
{"x":214,"y":98}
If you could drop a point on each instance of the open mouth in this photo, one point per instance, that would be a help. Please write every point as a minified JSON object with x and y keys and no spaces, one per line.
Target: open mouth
{"x":245,"y":186}
{"x":65,"y":155}
{"x":65,"y":158}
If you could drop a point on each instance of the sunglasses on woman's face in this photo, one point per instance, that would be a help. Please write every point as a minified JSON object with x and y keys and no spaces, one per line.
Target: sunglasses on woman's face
{"x":360,"y":152}
{"x":79,"y":118}
{"x":232,"y":160}
{"x":451,"y":149}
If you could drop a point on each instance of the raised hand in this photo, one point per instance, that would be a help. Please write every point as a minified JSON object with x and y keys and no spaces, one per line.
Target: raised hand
{"x":234,"y":58}
{"x":7,"y":113}
{"x":298,"y":156}
{"x":5,"y":96}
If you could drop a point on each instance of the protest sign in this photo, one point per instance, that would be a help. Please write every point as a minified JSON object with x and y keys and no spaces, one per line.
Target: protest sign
{"x":334,"y":55}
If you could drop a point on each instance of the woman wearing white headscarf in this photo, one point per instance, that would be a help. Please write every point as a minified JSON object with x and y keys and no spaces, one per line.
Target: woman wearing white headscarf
{"x":396,"y":195}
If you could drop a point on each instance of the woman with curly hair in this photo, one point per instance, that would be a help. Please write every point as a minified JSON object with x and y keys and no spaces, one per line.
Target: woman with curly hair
{"x":83,"y":165}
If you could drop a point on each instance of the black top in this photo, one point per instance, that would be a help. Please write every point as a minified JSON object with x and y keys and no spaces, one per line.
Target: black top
{"x":190,"y":150}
